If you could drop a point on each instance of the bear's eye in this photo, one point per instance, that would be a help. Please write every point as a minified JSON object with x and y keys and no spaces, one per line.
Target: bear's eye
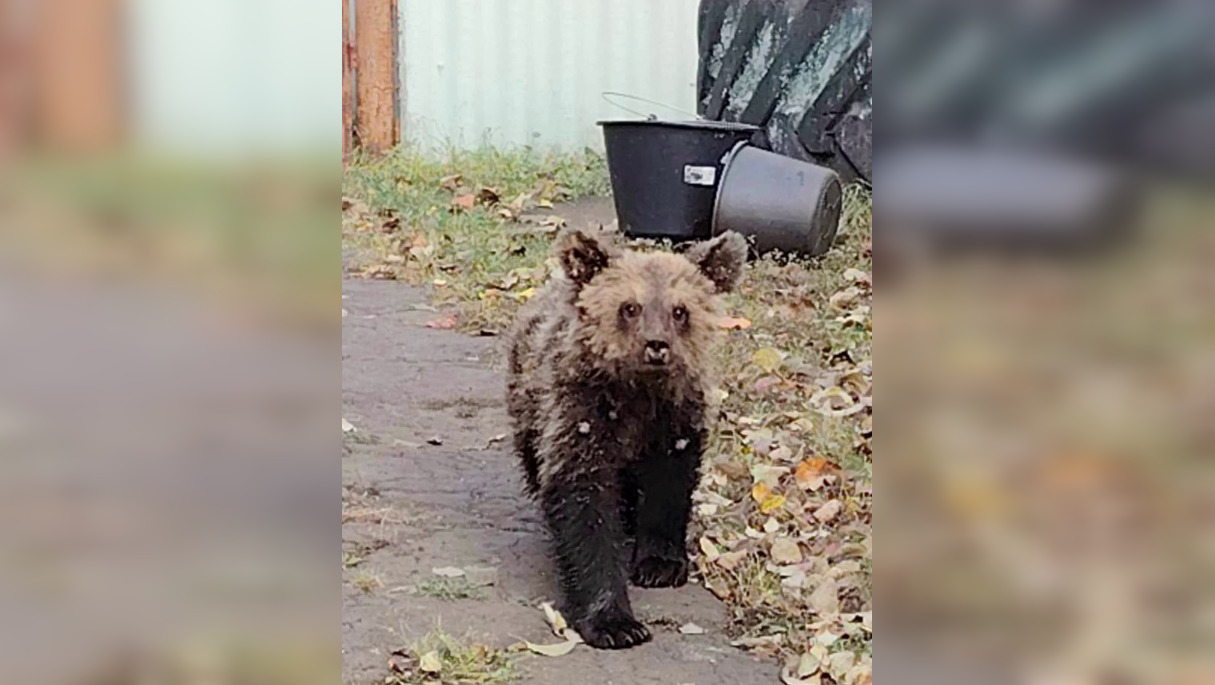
{"x":630,"y":309}
{"x":680,"y":313}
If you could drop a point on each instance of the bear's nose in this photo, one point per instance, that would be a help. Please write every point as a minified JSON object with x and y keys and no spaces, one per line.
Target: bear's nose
{"x":657,"y":352}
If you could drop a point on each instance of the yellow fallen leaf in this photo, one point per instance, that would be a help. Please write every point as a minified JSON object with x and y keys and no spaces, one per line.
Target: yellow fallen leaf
{"x":760,"y":492}
{"x":767,"y":359}
{"x":525,"y":295}
{"x":430,"y":662}
{"x":558,"y":649}
{"x":772,"y":503}
{"x":555,"y":619}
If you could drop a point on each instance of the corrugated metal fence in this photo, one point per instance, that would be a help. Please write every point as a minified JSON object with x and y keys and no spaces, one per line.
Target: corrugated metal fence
{"x":530,"y":72}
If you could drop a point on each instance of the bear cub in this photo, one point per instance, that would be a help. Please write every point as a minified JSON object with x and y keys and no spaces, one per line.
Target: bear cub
{"x":609,"y":381}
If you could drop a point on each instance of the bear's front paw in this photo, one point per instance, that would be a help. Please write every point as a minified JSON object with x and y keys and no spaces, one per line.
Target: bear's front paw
{"x":655,"y":571}
{"x":612,"y":630}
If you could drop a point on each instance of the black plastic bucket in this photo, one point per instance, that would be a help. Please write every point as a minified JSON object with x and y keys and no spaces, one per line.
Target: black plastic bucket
{"x":778,"y":203}
{"x":665,"y":174}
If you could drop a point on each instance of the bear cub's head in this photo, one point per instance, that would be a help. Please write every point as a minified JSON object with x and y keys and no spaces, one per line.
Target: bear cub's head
{"x":649,"y":312}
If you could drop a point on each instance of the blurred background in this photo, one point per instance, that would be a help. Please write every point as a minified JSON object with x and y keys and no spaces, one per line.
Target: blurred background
{"x":169,"y":199}
{"x":169,"y":190}
{"x":1044,"y":325}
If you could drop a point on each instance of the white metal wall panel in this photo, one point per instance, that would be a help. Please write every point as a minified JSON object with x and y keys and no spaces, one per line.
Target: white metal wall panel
{"x":226,"y":76}
{"x":530,"y":72}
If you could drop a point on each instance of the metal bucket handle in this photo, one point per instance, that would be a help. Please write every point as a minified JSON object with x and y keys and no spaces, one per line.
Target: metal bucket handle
{"x":647,"y":116}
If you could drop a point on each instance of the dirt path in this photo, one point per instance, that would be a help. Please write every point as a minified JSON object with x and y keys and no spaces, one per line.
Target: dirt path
{"x":417,"y":506}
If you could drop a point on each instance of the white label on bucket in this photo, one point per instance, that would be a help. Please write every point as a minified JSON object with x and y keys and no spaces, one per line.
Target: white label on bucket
{"x":699,"y":175}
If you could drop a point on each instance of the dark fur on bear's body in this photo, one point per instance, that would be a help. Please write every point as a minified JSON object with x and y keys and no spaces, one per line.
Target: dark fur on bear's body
{"x":608,"y":385}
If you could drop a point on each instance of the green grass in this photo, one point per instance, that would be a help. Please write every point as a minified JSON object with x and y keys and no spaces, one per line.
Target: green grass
{"x":442,"y":658}
{"x":484,"y":263}
{"x":450,"y":589}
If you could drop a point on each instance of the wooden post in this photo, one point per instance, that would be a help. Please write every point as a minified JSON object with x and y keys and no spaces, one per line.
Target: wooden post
{"x":349,"y":78}
{"x":375,"y":27}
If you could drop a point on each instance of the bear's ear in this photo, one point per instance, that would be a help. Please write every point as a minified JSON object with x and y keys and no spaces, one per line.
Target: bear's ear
{"x":582,"y":255}
{"x":721,"y":259}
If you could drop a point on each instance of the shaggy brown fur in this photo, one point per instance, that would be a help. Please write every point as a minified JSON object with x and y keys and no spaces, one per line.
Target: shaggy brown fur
{"x":610,"y":370}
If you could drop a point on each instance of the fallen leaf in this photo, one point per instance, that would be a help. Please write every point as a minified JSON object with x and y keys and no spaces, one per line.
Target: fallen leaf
{"x":497,"y":438}
{"x":859,"y":277}
{"x":807,"y":665}
{"x":786,"y":551}
{"x":766,"y":382}
{"x":795,"y":579}
{"x":444,"y":323}
{"x":448,"y":571}
{"x":488,"y":196}
{"x":861,"y":674}
{"x":767,"y":474}
{"x":787,"y":677}
{"x":436,"y":441}
{"x":772,"y":503}
{"x":718,"y":588}
{"x":380,"y":271}
{"x":462,"y":203}
{"x":400,"y":661}
{"x":771,"y":525}
{"x":760,"y":492}
{"x":439,"y":282}
{"x":782,"y":453}
{"x":767,"y":358}
{"x":845,"y":298}
{"x":430,"y":662}
{"x":828,"y":511}
{"x":730,"y":560}
{"x":347,"y":427}
{"x":810,"y":473}
{"x":733,"y":324}
{"x":824,"y":599}
{"x":451,"y":182}
{"x":558,"y":649}
{"x":711,"y":551}
{"x":555,"y":619}
{"x":691,"y":629}
{"x":841,"y":663}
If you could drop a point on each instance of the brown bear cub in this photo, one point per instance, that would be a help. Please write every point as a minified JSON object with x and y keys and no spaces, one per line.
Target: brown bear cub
{"x":609,"y":381}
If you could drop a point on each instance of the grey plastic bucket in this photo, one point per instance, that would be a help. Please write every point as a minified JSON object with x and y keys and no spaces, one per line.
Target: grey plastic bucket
{"x":777,"y":202}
